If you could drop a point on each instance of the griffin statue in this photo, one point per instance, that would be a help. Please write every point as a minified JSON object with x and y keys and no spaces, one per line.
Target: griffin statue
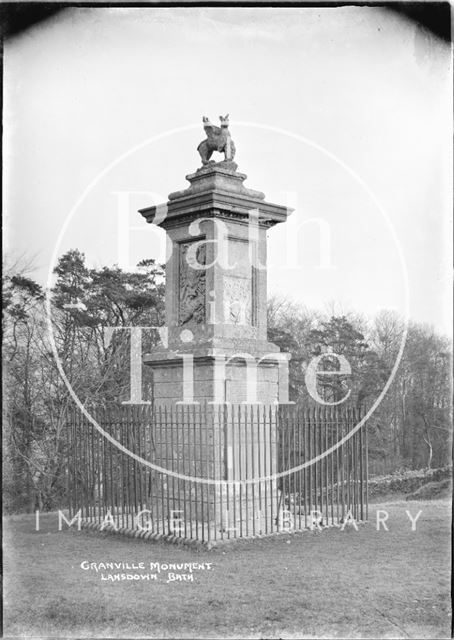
{"x":218,"y":139}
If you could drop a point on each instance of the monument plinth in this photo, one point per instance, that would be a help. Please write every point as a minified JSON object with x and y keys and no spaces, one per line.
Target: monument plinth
{"x":216,"y":283}
{"x":217,"y":353}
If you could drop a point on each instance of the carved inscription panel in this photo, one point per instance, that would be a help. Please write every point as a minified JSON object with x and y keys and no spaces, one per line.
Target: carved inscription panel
{"x":237,"y":300}
{"x":192,"y":283}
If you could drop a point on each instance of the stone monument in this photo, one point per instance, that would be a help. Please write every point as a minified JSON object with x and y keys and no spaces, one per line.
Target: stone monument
{"x":216,"y":284}
{"x":218,"y":355}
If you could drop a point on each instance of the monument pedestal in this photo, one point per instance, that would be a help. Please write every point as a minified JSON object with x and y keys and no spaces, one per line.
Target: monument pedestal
{"x":217,"y":353}
{"x":216,"y":307}
{"x":183,"y":378}
{"x":233,"y":450}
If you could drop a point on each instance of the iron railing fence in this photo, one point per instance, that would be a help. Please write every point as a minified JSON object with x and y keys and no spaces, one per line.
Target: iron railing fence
{"x":210,"y":473}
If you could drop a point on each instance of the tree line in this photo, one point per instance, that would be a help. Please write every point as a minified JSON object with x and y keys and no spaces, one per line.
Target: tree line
{"x":409,"y":429}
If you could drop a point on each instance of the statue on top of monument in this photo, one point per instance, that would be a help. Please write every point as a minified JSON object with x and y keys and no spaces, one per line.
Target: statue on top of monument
{"x":218,"y":139}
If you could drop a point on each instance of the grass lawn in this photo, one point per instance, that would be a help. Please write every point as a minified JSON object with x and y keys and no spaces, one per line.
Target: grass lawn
{"x":364,"y":583}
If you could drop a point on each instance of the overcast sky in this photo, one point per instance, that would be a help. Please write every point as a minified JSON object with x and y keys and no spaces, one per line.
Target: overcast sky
{"x":342,"y":113}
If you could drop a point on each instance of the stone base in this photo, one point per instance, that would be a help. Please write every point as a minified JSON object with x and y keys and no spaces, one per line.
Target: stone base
{"x":244,"y":511}
{"x":219,"y":379}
